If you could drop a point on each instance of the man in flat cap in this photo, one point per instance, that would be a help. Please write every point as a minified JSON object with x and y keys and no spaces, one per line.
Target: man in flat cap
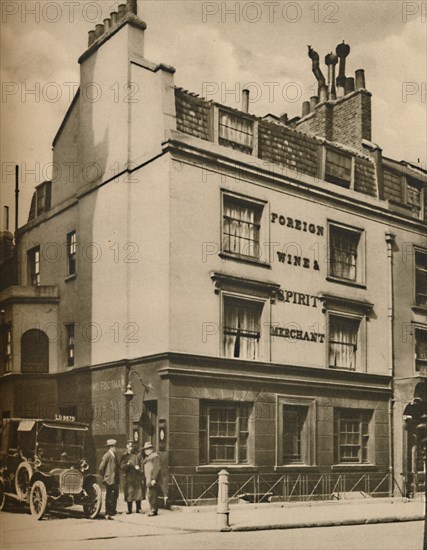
{"x":109,"y":469}
{"x":132,"y":477}
{"x":152,"y":472}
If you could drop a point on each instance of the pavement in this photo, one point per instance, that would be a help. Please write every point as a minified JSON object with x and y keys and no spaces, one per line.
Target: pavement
{"x":255,"y":517}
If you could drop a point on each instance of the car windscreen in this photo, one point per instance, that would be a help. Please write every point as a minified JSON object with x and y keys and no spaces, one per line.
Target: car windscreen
{"x":60,"y":443}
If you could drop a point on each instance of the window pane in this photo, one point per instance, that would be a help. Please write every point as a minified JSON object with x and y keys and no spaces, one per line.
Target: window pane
{"x":293,"y":424}
{"x":421,"y":349}
{"x":242,"y":328}
{"x":421,"y":278}
{"x":343,"y":253}
{"x":353,"y":435}
{"x":343,"y":342}
{"x":338,"y":168}
{"x":236,"y":132}
{"x":241,"y":227}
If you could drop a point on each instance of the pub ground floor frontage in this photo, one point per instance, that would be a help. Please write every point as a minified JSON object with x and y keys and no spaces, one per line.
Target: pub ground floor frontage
{"x":281,"y":432}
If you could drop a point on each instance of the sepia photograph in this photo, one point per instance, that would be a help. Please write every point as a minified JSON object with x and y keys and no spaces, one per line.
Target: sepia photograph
{"x":213,"y":275}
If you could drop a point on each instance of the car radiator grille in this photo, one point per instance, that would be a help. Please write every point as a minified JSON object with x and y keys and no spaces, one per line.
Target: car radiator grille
{"x":71,"y":482}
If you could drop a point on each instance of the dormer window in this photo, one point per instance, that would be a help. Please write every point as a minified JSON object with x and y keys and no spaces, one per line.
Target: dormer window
{"x":414,"y":198}
{"x":338,"y":168}
{"x":236,"y":131}
{"x":43,"y":196}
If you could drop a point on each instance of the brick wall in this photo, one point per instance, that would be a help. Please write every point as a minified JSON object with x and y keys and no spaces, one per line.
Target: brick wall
{"x":347,"y":120}
{"x":192,"y":114}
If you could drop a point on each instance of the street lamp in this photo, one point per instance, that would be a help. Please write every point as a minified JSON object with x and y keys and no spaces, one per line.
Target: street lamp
{"x":129,"y":394}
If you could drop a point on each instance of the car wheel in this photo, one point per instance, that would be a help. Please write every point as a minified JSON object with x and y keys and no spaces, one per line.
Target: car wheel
{"x":93,"y":504}
{"x":23,"y":475}
{"x":2,"y":494}
{"x":38,"y":499}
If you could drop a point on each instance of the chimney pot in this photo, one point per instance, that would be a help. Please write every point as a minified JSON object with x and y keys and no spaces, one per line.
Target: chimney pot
{"x":245,"y":101}
{"x":305,"y":108}
{"x":349,"y":85}
{"x":113,"y":16}
{"x":360,"y":79}
{"x":331,"y":60}
{"x":99,"y":30}
{"x":323,"y":94}
{"x":132,"y":6}
{"x":314,"y":100}
{"x":91,"y":38}
{"x":107,"y":24}
{"x":122,"y":11}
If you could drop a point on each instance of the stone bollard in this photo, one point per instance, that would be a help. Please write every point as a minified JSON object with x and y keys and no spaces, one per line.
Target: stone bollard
{"x":223,"y":510}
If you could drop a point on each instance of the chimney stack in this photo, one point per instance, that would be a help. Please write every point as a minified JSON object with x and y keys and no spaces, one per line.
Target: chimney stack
{"x":132,"y":6}
{"x":305,"y":108}
{"x":99,"y":30}
{"x":349,"y":85}
{"x":91,"y":38}
{"x":314,"y":100}
{"x":360,"y":79}
{"x":314,"y":56}
{"x":342,"y":51}
{"x":331,"y":60}
{"x":323,"y":95}
{"x":245,"y":101}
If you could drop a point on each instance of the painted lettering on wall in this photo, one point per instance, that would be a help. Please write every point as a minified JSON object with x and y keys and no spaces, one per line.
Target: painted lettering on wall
{"x":297,"y":261}
{"x":295,"y":334}
{"x":299,"y":225}
{"x":298,"y":298}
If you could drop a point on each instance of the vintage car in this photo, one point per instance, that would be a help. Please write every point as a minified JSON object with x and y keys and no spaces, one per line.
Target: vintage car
{"x":42,"y":464}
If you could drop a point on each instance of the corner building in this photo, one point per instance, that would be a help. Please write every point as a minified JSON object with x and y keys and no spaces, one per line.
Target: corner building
{"x":249,"y":279}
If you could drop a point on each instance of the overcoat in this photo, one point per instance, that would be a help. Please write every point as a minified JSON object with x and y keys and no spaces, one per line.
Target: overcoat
{"x":132,"y":476}
{"x":110,"y":468}
{"x":152,"y":468}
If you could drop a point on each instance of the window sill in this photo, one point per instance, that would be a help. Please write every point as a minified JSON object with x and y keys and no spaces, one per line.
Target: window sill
{"x":215,"y":468}
{"x":346,"y":282}
{"x":354,"y":467}
{"x":244,"y":259}
{"x":419,"y":309}
{"x":70,"y":277}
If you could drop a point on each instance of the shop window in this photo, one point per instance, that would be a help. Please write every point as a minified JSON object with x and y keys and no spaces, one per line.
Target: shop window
{"x":420,"y":278}
{"x":71,"y":252}
{"x":421,"y":349}
{"x":70,"y":330}
{"x":353,"y":443}
{"x":34,"y":352}
{"x":225,"y":432}
{"x":346,"y":253}
{"x":241,"y":226}
{"x":338,"y":168}
{"x":241,"y":328}
{"x":34,"y":266}
{"x":236,"y":131}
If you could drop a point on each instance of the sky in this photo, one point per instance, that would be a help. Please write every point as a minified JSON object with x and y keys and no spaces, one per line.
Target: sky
{"x":217,"y":49}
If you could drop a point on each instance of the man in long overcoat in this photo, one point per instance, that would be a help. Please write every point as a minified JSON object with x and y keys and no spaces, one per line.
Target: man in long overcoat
{"x":132,"y":477}
{"x":152,"y":472}
{"x":109,"y":470}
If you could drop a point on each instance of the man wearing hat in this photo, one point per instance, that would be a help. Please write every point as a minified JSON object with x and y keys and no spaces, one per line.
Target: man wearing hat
{"x":109,"y":469}
{"x":132,"y":477}
{"x":152,"y":472}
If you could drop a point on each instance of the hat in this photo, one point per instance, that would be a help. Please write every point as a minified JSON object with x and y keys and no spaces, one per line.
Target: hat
{"x":148,"y":445}
{"x":130,"y":441}
{"x":111,"y":442}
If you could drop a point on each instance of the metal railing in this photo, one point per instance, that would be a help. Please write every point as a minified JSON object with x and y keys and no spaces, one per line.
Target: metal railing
{"x":198,"y":489}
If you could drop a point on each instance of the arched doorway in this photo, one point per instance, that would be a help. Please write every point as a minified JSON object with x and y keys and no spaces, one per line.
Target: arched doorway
{"x":34,"y":352}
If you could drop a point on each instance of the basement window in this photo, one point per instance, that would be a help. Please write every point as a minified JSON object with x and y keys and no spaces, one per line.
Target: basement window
{"x":338,"y":168}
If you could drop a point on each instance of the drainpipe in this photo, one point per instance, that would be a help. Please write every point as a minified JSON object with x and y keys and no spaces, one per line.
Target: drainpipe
{"x":390,"y":240}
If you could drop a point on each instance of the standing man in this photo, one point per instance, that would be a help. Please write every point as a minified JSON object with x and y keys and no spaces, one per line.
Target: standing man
{"x":109,"y":469}
{"x":132,"y":477}
{"x":152,"y":472}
